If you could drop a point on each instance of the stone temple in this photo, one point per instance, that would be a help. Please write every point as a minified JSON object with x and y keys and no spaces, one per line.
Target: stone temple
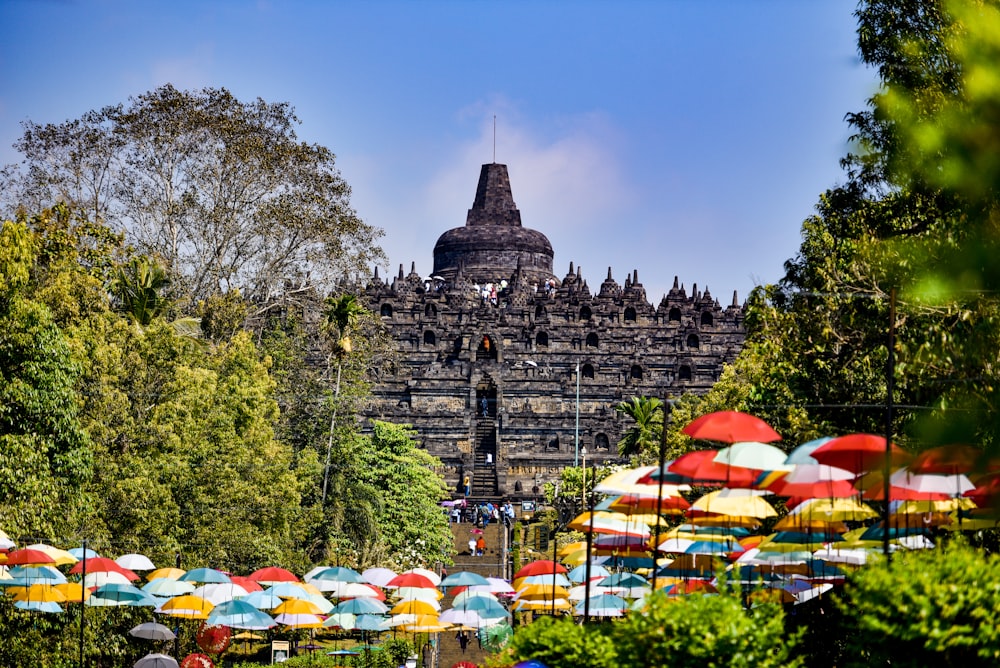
{"x":510,"y":373}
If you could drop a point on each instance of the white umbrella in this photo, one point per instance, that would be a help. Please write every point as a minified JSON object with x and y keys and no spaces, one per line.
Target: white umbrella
{"x":100,"y":578}
{"x":152,"y":631}
{"x":467,"y":618}
{"x":430,"y":575}
{"x":156,"y":661}
{"x":930,"y":483}
{"x":378,"y":576}
{"x":135,"y":562}
{"x":218,"y":592}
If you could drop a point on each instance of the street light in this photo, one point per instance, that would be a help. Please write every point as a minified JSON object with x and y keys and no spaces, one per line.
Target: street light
{"x":583,"y":485}
{"x":576,"y":449}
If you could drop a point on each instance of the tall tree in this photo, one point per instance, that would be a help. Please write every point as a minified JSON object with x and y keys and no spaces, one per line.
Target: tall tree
{"x":220,"y":189}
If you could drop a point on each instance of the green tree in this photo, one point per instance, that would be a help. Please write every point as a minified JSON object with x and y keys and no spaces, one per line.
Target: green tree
{"x":642,"y":439}
{"x":222,"y":190}
{"x":411,"y":528}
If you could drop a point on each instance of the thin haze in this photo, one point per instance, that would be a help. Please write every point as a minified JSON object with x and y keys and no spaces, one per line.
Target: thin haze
{"x":681,"y":138}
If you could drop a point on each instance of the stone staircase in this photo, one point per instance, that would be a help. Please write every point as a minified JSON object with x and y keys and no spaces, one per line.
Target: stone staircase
{"x":484,"y":473}
{"x":491,"y":564}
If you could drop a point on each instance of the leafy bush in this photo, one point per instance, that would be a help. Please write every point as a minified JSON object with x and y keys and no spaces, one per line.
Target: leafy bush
{"x":929,"y":607}
{"x":560,"y":643}
{"x":705,"y":632}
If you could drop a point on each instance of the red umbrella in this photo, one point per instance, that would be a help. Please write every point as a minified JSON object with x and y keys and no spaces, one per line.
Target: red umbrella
{"x":102,"y":565}
{"x":463,"y":664}
{"x":731,"y":427}
{"x":948,"y":459}
{"x":858,"y":452}
{"x":245,"y":582}
{"x":819,"y":489}
{"x":540,"y":567}
{"x":273,"y":574}
{"x":700,"y":467}
{"x":410,"y":580}
{"x":29,"y":557}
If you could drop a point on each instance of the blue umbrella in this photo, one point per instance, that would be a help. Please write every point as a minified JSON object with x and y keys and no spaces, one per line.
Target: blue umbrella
{"x":239,"y":614}
{"x":36,"y":574}
{"x":603,"y":605}
{"x":362,"y":606}
{"x":167,"y":587}
{"x":39,"y":606}
{"x":337,"y":574}
{"x":803,"y":453}
{"x":464,"y":579}
{"x":205,"y":576}
{"x":623,"y":580}
{"x":113,"y":594}
{"x":78,"y":552}
{"x":579,"y":574}
{"x":262,"y":600}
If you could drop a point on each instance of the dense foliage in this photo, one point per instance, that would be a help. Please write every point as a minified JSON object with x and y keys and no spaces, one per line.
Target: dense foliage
{"x":928,"y":608}
{"x":692,"y":631}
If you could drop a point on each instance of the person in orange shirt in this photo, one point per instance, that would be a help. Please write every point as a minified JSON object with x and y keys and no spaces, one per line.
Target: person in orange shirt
{"x":480,"y":546}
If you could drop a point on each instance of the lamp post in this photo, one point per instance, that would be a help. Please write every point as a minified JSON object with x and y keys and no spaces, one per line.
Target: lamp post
{"x":583,"y":484}
{"x":576,"y":448}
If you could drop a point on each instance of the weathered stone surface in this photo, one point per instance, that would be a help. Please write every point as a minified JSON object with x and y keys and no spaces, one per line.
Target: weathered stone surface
{"x":522,"y":350}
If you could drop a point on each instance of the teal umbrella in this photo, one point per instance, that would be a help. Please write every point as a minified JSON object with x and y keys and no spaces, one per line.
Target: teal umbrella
{"x":464,"y":579}
{"x":238,"y":614}
{"x":337,"y":574}
{"x":167,"y":587}
{"x":362,"y":606}
{"x":115,"y":594}
{"x":603,"y":605}
{"x":204,"y":575}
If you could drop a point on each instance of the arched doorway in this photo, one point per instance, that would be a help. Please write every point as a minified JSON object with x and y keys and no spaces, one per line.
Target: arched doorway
{"x":487,"y":349}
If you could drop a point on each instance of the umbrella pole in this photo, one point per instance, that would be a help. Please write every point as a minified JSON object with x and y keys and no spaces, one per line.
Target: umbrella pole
{"x":890,"y":372}
{"x":82,"y":598}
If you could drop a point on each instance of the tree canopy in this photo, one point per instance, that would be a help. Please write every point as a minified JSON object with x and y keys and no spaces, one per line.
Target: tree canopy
{"x":220,"y":190}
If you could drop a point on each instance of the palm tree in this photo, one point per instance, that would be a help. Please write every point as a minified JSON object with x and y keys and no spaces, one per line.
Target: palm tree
{"x":338,"y":320}
{"x":645,"y":434}
{"x":138,"y":287}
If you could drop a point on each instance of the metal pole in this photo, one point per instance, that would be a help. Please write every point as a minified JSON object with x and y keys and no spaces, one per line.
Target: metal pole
{"x":576,"y":449}
{"x":659,"y":488}
{"x":590,"y":542}
{"x":890,"y":372}
{"x":82,"y":606}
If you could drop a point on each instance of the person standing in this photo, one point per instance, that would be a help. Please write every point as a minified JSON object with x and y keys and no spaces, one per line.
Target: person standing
{"x":467,"y":485}
{"x":480,"y":546}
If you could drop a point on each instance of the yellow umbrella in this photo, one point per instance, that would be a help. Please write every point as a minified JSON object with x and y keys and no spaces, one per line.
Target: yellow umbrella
{"x":942,"y":506}
{"x":523,"y":605}
{"x":187,"y":606}
{"x":841,"y":509}
{"x":168,"y":573}
{"x":61,"y":557}
{"x":425,"y":624}
{"x":39,"y":593}
{"x":73,"y":591}
{"x":720,"y":520}
{"x":801,"y":524}
{"x":414,"y":607}
{"x":571,"y":548}
{"x":297,"y":606}
{"x":724,"y":502}
{"x":539,"y":591}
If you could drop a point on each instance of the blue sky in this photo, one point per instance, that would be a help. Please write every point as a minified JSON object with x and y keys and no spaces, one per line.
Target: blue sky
{"x":683,"y":137}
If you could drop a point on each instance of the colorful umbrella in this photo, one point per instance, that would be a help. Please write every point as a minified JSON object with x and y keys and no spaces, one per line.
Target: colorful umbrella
{"x":731,"y":427}
{"x":859,"y":452}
